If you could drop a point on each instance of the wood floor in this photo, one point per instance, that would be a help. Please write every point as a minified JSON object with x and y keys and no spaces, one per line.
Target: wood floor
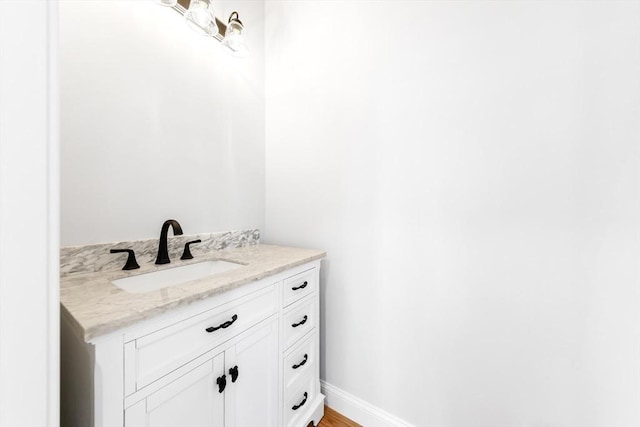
{"x":333,"y":419}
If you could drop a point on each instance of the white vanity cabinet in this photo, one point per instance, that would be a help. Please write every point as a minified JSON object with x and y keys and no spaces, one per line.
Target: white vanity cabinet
{"x":228,"y":386}
{"x":245,"y":357}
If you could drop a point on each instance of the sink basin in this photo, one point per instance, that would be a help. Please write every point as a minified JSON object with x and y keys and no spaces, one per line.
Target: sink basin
{"x":173,"y":276}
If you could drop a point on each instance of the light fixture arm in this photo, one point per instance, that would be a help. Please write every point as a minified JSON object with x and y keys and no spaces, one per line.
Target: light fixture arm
{"x":236,"y":19}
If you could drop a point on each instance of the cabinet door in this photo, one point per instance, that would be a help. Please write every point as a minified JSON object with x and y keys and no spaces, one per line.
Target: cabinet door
{"x":193,"y":400}
{"x":252,"y":399}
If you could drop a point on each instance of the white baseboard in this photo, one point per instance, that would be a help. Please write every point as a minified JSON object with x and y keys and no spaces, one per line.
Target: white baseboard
{"x":358,"y":410}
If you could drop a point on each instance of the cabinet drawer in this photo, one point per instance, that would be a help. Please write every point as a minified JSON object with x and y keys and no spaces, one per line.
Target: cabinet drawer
{"x":299,"y":286}
{"x":300,"y":360}
{"x":298,"y":399}
{"x":154,"y":355}
{"x":299,"y":320}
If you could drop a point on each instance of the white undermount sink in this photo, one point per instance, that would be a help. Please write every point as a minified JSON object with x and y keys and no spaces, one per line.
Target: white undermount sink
{"x":173,"y":276}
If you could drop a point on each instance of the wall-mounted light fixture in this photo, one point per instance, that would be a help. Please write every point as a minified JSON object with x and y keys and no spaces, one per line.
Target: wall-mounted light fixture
{"x":234,"y":35}
{"x":201,"y":17}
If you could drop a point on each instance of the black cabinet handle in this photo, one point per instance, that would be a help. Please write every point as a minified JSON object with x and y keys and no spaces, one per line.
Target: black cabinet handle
{"x":304,"y":360}
{"x":223,"y":325}
{"x":302,"y":322}
{"x":131,"y":264}
{"x":186,"y":254}
{"x":222,"y":383}
{"x":299,"y":405}
{"x":234,"y":373}
{"x":304,"y":285}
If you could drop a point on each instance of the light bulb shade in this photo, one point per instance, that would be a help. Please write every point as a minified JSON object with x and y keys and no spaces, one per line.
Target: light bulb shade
{"x":168,"y":3}
{"x":234,"y":36}
{"x":201,"y":17}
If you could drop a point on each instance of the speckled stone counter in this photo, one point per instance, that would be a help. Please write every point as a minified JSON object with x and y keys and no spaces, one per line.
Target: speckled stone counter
{"x":96,"y":307}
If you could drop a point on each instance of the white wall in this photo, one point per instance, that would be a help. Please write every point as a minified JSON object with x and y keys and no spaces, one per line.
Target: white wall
{"x":29,"y":219}
{"x":471,"y":167}
{"x":157,"y":122}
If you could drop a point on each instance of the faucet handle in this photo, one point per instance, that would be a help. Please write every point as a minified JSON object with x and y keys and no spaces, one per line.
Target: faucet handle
{"x":187,"y":252}
{"x":131,"y":264}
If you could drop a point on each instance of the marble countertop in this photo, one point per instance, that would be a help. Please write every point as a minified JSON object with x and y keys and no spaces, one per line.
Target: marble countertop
{"x":96,"y":307}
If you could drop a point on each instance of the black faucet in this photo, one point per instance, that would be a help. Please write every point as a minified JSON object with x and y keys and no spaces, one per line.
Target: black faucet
{"x":163,"y":251}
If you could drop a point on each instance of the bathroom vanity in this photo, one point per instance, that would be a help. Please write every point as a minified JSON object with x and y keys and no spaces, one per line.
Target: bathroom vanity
{"x":234,"y":348}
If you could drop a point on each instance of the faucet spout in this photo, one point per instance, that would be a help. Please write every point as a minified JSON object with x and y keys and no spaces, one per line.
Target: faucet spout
{"x":163,"y":251}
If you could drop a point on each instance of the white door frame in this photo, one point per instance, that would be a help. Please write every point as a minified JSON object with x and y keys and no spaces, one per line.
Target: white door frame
{"x":29,"y":214}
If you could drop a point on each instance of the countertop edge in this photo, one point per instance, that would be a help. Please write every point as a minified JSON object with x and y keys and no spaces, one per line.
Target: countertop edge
{"x":99,"y":330}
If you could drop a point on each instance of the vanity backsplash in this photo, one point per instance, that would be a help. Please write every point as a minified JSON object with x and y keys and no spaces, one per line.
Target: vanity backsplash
{"x":95,"y":258}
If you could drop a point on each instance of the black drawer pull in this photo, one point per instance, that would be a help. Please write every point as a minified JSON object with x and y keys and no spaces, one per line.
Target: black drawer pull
{"x":222,"y":383}
{"x":304,"y":360}
{"x":234,"y":373}
{"x":302,"y":322}
{"x":304,"y":285}
{"x":299,"y":405}
{"x":223,"y":325}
